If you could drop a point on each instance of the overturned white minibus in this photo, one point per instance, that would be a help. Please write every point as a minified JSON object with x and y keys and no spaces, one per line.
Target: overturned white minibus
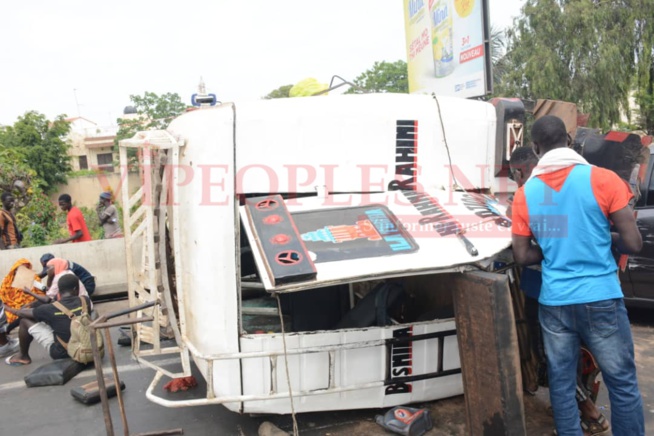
{"x":307,"y":253}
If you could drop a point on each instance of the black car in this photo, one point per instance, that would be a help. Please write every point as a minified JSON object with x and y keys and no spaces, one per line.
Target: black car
{"x":638,"y":278}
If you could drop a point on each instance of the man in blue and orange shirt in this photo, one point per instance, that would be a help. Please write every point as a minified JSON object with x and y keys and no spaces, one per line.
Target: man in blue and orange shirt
{"x":567,"y":206}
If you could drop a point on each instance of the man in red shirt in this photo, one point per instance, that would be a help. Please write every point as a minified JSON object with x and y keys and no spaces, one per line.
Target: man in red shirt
{"x":75,"y":221}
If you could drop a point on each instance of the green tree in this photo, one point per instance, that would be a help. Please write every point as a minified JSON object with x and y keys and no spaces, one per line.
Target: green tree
{"x":581,"y":51}
{"x":281,"y":92}
{"x":35,"y":213}
{"x":37,"y":219}
{"x":498,"y":55}
{"x":645,"y":74}
{"x":645,"y":100}
{"x":154,"y":112}
{"x":15,"y":175}
{"x":382,"y":77}
{"x":41,"y":145}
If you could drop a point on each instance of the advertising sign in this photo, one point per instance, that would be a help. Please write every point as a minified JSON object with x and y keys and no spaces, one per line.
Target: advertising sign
{"x":447,"y":47}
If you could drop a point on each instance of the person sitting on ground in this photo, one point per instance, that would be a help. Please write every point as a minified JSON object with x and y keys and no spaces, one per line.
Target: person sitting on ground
{"x":15,"y":297}
{"x":108,"y":216}
{"x":84,"y":276}
{"x":47,"y":324}
{"x":57,"y":269}
{"x":74,"y":220}
{"x":7,"y":346}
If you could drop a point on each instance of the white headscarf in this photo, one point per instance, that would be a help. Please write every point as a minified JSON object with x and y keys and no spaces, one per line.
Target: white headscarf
{"x":557,"y":159}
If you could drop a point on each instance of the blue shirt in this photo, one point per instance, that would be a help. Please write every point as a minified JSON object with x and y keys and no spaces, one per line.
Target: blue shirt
{"x":573,"y":232}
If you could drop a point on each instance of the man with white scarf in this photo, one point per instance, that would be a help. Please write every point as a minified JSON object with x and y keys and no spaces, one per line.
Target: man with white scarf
{"x":568,"y":206}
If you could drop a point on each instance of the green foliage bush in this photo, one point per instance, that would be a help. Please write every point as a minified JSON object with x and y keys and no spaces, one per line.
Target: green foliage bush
{"x":38,"y":210}
{"x":41,"y":145}
{"x":35,"y":236}
{"x":42,"y":223}
{"x":92,"y":222}
{"x":36,"y":219}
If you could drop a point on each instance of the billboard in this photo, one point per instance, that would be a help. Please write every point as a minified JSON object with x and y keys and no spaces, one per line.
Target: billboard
{"x":448,"y":50}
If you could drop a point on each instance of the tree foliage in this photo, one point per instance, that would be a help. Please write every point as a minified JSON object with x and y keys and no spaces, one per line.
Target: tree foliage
{"x":383,"y":77}
{"x":498,"y":55}
{"x":15,"y":175}
{"x":645,"y":73}
{"x":37,"y":219}
{"x":35,"y":143}
{"x":281,"y":92}
{"x":33,"y":161}
{"x":154,"y":112}
{"x":582,"y":51}
{"x":645,"y":100}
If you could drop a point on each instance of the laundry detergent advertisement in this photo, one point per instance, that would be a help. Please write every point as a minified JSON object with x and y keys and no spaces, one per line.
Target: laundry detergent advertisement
{"x":448,"y":50}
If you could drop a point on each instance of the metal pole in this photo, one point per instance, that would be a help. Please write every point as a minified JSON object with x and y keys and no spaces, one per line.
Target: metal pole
{"x":114,"y":370}
{"x":162,"y":432}
{"x":97,"y":361}
{"x":105,"y":325}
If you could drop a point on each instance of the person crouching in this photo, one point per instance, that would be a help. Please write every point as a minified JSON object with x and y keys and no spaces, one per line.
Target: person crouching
{"x":47,"y":324}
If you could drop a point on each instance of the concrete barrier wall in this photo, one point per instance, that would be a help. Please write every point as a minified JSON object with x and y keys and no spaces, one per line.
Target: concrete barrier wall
{"x":105,"y":259}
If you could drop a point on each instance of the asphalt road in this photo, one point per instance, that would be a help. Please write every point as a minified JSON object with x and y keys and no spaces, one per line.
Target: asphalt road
{"x":53,"y":411}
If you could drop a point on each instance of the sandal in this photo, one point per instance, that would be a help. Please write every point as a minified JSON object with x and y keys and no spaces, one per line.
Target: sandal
{"x":596,"y":427}
{"x":10,"y":362}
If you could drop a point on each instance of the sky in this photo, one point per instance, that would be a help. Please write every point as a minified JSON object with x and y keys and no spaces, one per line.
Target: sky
{"x":85,"y":58}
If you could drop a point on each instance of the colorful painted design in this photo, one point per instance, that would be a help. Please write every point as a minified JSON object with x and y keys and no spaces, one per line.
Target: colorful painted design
{"x":351,"y":233}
